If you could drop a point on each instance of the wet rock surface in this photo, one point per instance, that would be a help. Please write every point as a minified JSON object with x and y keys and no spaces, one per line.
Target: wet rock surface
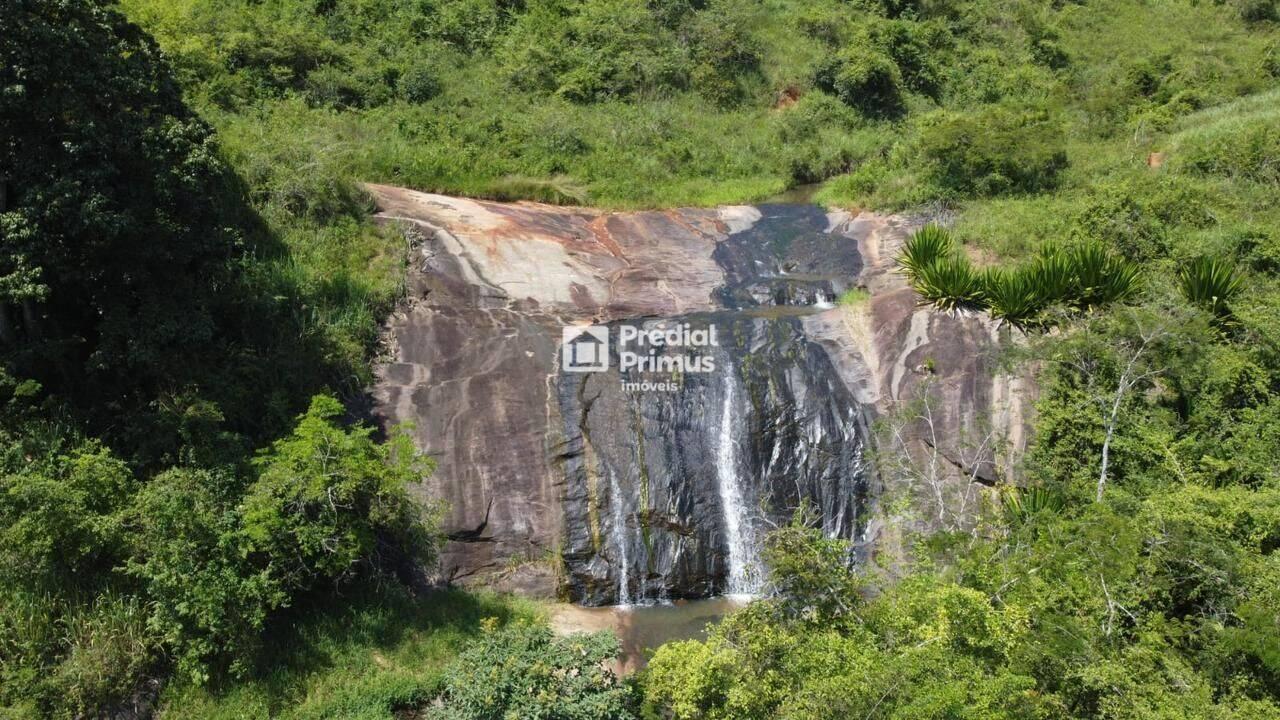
{"x":599,"y":490}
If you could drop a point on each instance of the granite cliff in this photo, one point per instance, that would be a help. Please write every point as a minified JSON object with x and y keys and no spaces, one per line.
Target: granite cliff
{"x":599,"y":490}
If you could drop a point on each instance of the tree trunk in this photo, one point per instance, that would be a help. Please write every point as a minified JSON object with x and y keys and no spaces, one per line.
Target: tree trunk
{"x":1106,"y":443}
{"x":8,"y":336}
{"x":31,"y":319}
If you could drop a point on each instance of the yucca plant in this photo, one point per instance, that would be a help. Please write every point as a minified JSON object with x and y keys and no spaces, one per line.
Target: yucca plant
{"x":1210,"y":283}
{"x":1052,"y":276}
{"x":1020,"y":504}
{"x":928,"y":245}
{"x":1011,"y":296}
{"x":950,"y":283}
{"x":1101,"y":278}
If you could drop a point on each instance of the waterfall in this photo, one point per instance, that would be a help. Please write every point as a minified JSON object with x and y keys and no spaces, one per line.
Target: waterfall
{"x":619,"y":536}
{"x":737,"y":524}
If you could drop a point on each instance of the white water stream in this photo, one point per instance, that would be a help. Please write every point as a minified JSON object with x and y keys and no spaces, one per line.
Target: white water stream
{"x":620,"y":541}
{"x":743,"y":579}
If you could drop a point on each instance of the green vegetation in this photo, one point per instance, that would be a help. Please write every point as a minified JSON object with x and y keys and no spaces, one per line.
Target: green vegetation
{"x":190,"y":284}
{"x":1210,"y":283}
{"x":370,"y":653}
{"x":1081,"y":278}
{"x":1137,"y":607}
{"x":525,"y":671}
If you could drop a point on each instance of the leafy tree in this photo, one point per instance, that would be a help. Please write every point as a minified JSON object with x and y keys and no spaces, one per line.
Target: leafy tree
{"x":865,"y":78}
{"x":330,"y":501}
{"x":328,"y":504}
{"x":120,"y":225}
{"x":925,"y":648}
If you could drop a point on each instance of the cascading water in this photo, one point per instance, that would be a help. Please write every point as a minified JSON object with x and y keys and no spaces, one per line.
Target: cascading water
{"x":621,"y":544}
{"x":666,"y":490}
{"x":739,"y":544}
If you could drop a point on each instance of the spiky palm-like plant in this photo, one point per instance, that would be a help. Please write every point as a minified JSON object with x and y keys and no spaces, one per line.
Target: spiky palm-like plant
{"x":1021,"y":503}
{"x":1210,"y":283}
{"x":1100,"y":277}
{"x":1052,"y":276}
{"x":950,"y":283}
{"x":928,"y":245}
{"x":1012,"y":296}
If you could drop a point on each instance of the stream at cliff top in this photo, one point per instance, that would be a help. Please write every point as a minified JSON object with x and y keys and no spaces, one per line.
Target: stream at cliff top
{"x":668,"y":494}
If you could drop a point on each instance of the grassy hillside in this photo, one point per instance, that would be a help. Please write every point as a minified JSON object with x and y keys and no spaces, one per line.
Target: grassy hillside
{"x":622,"y":103}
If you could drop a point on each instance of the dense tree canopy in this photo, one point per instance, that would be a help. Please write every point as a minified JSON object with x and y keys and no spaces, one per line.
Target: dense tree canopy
{"x":119,"y":224}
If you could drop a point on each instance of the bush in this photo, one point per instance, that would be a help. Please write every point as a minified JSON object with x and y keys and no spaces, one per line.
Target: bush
{"x":938,"y":270}
{"x":992,"y":152}
{"x":726,"y":58}
{"x":951,"y":284}
{"x":526,"y":671}
{"x":419,"y":84}
{"x":1247,"y":148}
{"x":217,"y":558}
{"x":1012,"y":296}
{"x":918,"y":49}
{"x":864,"y":78}
{"x":1210,"y":283}
{"x":329,"y":502}
{"x":1256,"y":11}
{"x":1100,"y":277}
{"x":110,"y":647}
{"x":332,"y":86}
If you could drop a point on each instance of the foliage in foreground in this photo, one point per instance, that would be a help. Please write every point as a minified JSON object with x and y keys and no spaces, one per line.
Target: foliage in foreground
{"x":1145,"y":608}
{"x":525,"y":671}
{"x":105,"y":575}
{"x":377,"y":650}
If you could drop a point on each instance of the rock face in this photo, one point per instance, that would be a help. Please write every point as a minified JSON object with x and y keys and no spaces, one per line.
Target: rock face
{"x":602,"y":490}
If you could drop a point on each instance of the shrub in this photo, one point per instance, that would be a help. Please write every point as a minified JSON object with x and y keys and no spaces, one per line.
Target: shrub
{"x":110,"y":647}
{"x":916,"y":48}
{"x":1210,"y":283}
{"x":419,"y":84}
{"x":332,"y":86}
{"x":992,"y":152}
{"x":217,"y":558}
{"x":1012,"y":296}
{"x":329,"y":501}
{"x":1052,"y":276}
{"x":1246,"y":148}
{"x":950,"y":283}
{"x":1101,"y":278}
{"x":1256,"y":11}
{"x":1020,"y":504}
{"x":526,"y":671}
{"x":864,"y":78}
{"x":725,"y":55}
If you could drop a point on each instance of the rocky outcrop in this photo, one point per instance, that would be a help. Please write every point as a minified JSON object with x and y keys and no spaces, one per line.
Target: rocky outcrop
{"x":580,"y":485}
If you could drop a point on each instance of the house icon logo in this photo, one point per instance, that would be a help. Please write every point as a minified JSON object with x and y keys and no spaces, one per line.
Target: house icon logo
{"x":585,"y":348}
